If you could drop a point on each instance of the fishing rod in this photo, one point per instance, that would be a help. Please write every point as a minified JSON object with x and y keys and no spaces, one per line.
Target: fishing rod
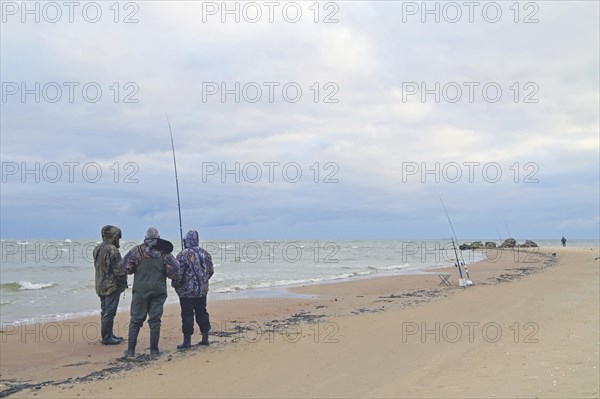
{"x":176,"y":182}
{"x":458,"y":262}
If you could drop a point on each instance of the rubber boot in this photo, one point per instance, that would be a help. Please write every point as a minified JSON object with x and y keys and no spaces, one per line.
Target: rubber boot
{"x":104,"y":330}
{"x":116,"y":337}
{"x":204,"y":339}
{"x":107,"y":335}
{"x":111,"y":341}
{"x":187,"y":342}
{"x":132,"y":341}
{"x":154,"y":338}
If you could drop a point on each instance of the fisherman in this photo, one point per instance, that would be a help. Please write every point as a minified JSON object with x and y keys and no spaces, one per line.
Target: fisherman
{"x":111,"y":281}
{"x":151,"y":264}
{"x":192,"y":288}
{"x":564,"y":241}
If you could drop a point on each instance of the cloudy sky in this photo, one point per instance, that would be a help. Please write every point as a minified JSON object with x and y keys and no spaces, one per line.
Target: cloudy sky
{"x":325,"y":120}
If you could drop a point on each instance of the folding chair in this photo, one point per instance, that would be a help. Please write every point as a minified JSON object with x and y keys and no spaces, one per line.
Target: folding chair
{"x":444,"y":278}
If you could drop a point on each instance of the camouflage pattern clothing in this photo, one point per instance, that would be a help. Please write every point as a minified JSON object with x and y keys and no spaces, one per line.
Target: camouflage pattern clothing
{"x":151,"y":268}
{"x":137,"y":253}
{"x":107,"y":260}
{"x":196,"y":268}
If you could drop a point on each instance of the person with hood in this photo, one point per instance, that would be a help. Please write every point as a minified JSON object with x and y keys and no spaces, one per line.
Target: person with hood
{"x":110,"y":280}
{"x":150,"y":264}
{"x":192,"y":288}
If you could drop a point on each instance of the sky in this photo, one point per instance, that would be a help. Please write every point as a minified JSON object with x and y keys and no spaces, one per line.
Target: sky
{"x":301,"y":120}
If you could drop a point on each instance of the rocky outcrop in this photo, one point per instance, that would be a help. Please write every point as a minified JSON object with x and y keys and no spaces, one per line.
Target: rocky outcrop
{"x":509,"y":243}
{"x":529,"y":244}
{"x":472,"y":245}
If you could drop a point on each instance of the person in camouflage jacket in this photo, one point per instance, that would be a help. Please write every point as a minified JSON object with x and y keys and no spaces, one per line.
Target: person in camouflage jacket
{"x":110,"y":280}
{"x":150,"y":265}
{"x":192,"y":288}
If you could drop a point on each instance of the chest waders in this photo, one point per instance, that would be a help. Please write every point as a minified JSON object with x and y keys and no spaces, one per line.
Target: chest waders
{"x":149,"y":296}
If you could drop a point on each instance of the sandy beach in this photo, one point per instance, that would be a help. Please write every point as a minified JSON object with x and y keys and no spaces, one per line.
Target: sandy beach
{"x":529,"y":327}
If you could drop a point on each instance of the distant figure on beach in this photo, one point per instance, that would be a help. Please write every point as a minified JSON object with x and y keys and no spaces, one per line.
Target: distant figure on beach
{"x":564,"y":241}
{"x":192,"y":288}
{"x":151,"y":267}
{"x":111,"y":281}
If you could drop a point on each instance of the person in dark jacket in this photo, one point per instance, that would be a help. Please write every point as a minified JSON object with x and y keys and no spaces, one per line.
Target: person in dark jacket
{"x":150,"y":267}
{"x":192,"y":288}
{"x":110,"y":280}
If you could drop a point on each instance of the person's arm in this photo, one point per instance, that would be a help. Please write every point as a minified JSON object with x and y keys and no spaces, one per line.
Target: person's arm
{"x":95,"y":253}
{"x":209,"y":265}
{"x":98,"y":262}
{"x":131,"y":260}
{"x":172,"y":266}
{"x":181,"y":259}
{"x":113,"y":258}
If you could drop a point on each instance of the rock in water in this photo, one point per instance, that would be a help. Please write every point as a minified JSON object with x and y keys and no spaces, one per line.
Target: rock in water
{"x":529,"y":244}
{"x":509,"y":243}
{"x":477,"y":245}
{"x":490,"y":244}
{"x":473,"y":245}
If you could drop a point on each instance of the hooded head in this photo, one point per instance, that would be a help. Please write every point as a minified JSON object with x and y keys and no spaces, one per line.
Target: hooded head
{"x":191,"y":239}
{"x":111,"y":234}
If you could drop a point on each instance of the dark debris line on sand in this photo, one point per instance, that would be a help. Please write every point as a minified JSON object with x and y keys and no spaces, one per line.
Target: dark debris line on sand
{"x":121,"y":364}
{"x":15,"y":386}
{"x":520,"y":272}
{"x":238,"y":330}
{"x":417,"y":293}
{"x":542,"y":261}
{"x":412,"y":298}
{"x":280,"y":326}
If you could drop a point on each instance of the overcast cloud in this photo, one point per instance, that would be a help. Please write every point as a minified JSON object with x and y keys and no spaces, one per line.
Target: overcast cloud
{"x":369,"y":135}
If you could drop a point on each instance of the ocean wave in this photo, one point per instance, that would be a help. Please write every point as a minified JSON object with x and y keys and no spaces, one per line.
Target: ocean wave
{"x":289,"y":283}
{"x":270,"y":284}
{"x":83,"y":287}
{"x":26,"y":286}
{"x":233,"y":288}
{"x":370,"y":271}
{"x":394,"y":267}
{"x":54,"y":317}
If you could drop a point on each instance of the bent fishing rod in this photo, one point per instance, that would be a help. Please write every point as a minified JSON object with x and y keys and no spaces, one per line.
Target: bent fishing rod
{"x":176,"y":182}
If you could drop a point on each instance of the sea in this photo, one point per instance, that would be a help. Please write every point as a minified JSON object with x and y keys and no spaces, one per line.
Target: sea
{"x":46,"y":280}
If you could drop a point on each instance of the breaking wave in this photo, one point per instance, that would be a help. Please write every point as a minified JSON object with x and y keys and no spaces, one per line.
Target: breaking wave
{"x":26,"y":286}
